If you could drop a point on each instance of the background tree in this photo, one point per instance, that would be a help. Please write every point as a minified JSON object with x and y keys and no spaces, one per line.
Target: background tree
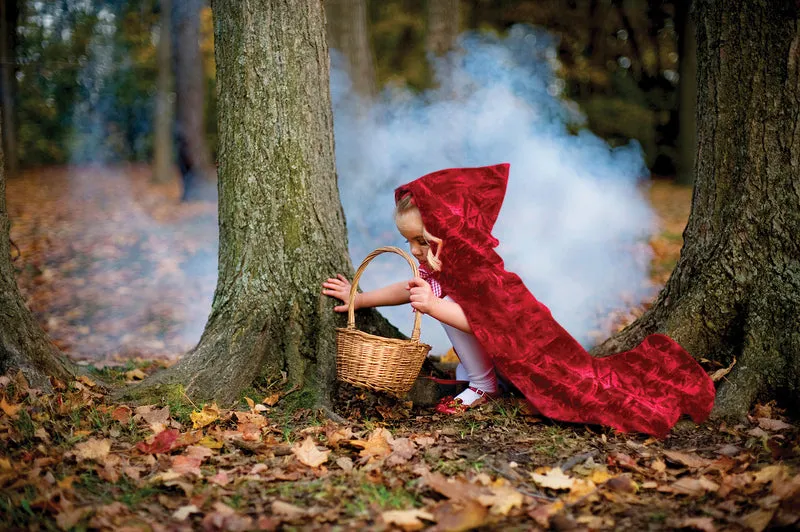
{"x":443,"y":26}
{"x":162,"y":142}
{"x":23,"y":343}
{"x":735,"y":292}
{"x":281,"y":223}
{"x":8,"y":59}
{"x":194,"y":157}
{"x":686,"y":134}
{"x":347,"y":33}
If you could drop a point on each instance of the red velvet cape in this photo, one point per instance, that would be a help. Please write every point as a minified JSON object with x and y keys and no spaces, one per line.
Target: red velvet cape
{"x":644,"y":390}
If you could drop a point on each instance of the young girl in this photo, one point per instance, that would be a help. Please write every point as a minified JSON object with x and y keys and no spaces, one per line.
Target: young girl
{"x":425,"y":295}
{"x":645,"y":389}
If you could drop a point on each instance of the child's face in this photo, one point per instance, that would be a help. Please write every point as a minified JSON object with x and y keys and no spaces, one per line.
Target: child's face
{"x":409,"y":223}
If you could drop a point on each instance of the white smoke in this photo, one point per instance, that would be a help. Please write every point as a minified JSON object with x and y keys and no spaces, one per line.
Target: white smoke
{"x":574,"y":220}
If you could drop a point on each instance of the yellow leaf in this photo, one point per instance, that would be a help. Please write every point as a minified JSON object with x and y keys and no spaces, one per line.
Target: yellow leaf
{"x":10,"y":409}
{"x":5,"y":464}
{"x":87,"y":381}
{"x":272,"y":400}
{"x":135,"y":375}
{"x":250,"y":403}
{"x":210,"y":442}
{"x":206,"y":416}
{"x":308,"y":453}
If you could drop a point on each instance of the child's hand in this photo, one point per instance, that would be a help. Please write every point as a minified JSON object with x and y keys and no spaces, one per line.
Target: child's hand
{"x":422,"y":296}
{"x":340,"y":289}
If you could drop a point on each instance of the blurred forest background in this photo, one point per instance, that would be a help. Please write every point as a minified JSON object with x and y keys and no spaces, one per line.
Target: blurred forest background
{"x":91,"y":81}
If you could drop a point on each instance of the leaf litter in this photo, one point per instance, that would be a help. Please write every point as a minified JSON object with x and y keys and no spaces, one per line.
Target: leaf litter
{"x":74,"y":459}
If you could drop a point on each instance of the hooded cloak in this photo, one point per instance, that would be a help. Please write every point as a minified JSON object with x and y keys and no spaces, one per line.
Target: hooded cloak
{"x":645,"y":389}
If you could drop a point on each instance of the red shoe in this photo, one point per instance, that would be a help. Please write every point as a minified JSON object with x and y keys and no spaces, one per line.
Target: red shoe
{"x":452,"y":406}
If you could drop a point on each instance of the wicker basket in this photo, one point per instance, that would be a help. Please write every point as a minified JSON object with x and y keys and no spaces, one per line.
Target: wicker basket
{"x":384,"y":364}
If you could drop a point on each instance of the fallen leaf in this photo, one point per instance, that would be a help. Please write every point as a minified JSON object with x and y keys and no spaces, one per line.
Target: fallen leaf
{"x":407,"y":519}
{"x":86,"y":380}
{"x":706,"y":524}
{"x":502,"y":499}
{"x":157,"y":418}
{"x":623,"y":483}
{"x":554,"y":478}
{"x":122,"y":414}
{"x":772,"y":424}
{"x":9,"y":409}
{"x":182,"y":513}
{"x":93,"y":449}
{"x":345,"y":463}
{"x":758,"y":432}
{"x":758,"y":520}
{"x":376,"y":446}
{"x":459,"y":515}
{"x":694,"y":487}
{"x":135,"y":375}
{"x":162,"y":442}
{"x":688,"y":459}
{"x":720,"y":373}
{"x":772,"y":473}
{"x":335,"y":434}
{"x":204,"y":417}
{"x":221,"y":478}
{"x":272,"y":400}
{"x":289,"y":511}
{"x":403,"y":449}
{"x":187,"y":465}
{"x":308,"y":454}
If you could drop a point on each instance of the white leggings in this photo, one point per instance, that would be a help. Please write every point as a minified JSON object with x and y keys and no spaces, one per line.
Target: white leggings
{"x":475,"y":366}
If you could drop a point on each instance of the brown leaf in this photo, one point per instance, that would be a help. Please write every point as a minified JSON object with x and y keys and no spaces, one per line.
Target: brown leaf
{"x":720,"y":373}
{"x":335,"y":434}
{"x":501,"y":498}
{"x":221,"y":478}
{"x":406,"y":519}
{"x":623,"y":483}
{"x":157,"y":418}
{"x":706,"y":524}
{"x":308,"y":454}
{"x":694,"y":487}
{"x":772,"y":424}
{"x":93,"y":449}
{"x":67,"y":518}
{"x":187,"y":465}
{"x":182,"y":513}
{"x":135,"y":375}
{"x":286,"y":510}
{"x":252,"y":418}
{"x":688,"y":459}
{"x":403,"y":450}
{"x":86,"y":380}
{"x":376,"y":446}
{"x":758,"y":432}
{"x":122,"y":414}
{"x":345,"y":463}
{"x":459,"y":515}
{"x":453,"y":488}
{"x":772,"y":473}
{"x":272,"y":400}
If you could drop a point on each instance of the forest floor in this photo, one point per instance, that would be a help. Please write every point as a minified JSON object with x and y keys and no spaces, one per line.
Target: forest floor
{"x":127,"y":305}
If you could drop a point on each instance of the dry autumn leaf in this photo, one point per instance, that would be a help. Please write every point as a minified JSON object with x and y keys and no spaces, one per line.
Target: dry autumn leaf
{"x":688,"y":459}
{"x":308,"y":454}
{"x":206,"y":416}
{"x":772,"y":424}
{"x":407,"y":519}
{"x":93,"y":449}
{"x":9,"y":409}
{"x":553,"y":478}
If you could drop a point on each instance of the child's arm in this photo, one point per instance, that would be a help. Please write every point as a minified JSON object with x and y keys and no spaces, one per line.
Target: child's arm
{"x":449,"y":312}
{"x":393,"y":294}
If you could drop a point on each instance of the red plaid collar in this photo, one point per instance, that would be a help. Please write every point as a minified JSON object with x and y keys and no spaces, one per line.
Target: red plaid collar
{"x":428,"y":277}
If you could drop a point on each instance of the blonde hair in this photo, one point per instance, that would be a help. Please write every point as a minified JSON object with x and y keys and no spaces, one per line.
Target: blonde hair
{"x":405,"y":205}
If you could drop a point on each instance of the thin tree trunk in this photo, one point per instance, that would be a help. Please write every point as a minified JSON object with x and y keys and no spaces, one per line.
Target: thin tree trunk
{"x":8,"y":30}
{"x":687,"y":95}
{"x":443,"y":26}
{"x":736,"y":289}
{"x":162,"y":156}
{"x":347,"y":33}
{"x":23,"y":344}
{"x":282,"y":227}
{"x":194,"y":157}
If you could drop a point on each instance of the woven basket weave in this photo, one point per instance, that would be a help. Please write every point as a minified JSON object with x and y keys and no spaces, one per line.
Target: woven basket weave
{"x":384,"y":364}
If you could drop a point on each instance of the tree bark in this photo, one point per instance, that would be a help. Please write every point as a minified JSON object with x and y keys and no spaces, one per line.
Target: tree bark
{"x":194,"y":157}
{"x":443,"y":26}
{"x":8,"y":57}
{"x":24,"y":346}
{"x":347,"y":33}
{"x":735,"y":291}
{"x":162,"y":156}
{"x":282,"y":228}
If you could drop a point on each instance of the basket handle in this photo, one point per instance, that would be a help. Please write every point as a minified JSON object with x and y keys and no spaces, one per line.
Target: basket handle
{"x":351,"y":315}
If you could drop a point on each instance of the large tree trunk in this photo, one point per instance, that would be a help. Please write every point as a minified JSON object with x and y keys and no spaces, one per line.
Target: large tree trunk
{"x":347,"y":33}
{"x":282,"y":228}
{"x":8,"y":57}
{"x":194,"y":157}
{"x":162,"y":156}
{"x":736,"y":289}
{"x":687,"y":94}
{"x":23,"y":344}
